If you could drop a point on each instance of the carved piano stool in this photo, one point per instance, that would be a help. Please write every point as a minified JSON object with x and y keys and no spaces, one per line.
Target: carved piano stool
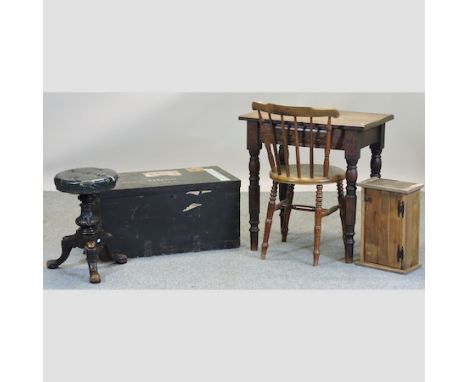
{"x":88,"y":183}
{"x":390,"y":225}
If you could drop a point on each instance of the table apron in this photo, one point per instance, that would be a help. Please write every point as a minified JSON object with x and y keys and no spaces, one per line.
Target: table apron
{"x":364,"y":137}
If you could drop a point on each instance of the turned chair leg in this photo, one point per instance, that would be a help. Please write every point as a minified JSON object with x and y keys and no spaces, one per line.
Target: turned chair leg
{"x":318,"y":224}
{"x":269,"y":219}
{"x":68,"y":243}
{"x":287,"y":212}
{"x":341,"y":202}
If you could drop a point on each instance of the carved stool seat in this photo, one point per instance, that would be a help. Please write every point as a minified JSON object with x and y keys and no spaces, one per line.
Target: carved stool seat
{"x":88,"y":183}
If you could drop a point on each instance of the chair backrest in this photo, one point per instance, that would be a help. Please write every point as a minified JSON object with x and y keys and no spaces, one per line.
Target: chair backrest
{"x":289,"y":115}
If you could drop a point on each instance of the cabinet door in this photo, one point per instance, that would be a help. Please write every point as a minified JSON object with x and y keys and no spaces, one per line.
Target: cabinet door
{"x":391,"y":230}
{"x":372,"y":225}
{"x":411,"y":230}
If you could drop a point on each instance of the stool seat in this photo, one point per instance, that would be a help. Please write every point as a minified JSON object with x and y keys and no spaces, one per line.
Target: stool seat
{"x":88,"y":180}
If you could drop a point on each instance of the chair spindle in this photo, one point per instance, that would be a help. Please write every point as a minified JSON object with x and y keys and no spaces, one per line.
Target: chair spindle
{"x":274,"y":143}
{"x":311,"y":148}
{"x":296,"y":142}
{"x":326,"y":162}
{"x":284,"y":134}
{"x":320,"y":136}
{"x":266,"y":138}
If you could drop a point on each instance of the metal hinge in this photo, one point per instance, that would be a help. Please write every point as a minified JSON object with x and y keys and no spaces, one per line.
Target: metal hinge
{"x":400,"y":254}
{"x":401,"y":208}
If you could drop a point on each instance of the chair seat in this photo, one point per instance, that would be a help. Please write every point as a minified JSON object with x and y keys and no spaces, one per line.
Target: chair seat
{"x":335,"y":174}
{"x":87,"y":180}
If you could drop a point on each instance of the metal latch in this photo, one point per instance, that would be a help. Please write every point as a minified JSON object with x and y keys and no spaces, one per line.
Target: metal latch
{"x":401,"y":208}
{"x":400,"y":254}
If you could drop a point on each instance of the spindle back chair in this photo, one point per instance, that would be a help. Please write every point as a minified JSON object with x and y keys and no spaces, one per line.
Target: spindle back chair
{"x":301,"y":121}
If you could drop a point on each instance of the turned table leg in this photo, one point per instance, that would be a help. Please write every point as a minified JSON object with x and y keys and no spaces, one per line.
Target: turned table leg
{"x":254,"y":198}
{"x":254,"y":145}
{"x":350,"y":205}
{"x":283,"y":187}
{"x":376,"y":150}
{"x":376,"y":160}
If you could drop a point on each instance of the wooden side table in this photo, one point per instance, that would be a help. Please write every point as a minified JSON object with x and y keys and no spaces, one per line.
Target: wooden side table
{"x":351,"y":132}
{"x":390,"y":225}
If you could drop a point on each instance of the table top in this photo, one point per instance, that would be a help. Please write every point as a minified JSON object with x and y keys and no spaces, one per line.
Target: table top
{"x":352,"y":119}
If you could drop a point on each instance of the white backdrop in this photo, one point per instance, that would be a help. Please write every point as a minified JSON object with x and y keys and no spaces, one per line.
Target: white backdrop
{"x":143,"y":45}
{"x":146,"y":131}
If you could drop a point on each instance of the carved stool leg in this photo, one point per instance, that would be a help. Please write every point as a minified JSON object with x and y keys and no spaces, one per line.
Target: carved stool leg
{"x":287,"y":212}
{"x":269,"y":219}
{"x":119,"y":258}
{"x":68,"y":243}
{"x":341,"y":202}
{"x":318,"y":224}
{"x":91,"y":251}
{"x":107,"y":254}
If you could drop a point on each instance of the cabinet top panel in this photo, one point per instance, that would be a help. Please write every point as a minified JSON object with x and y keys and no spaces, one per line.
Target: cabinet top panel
{"x":391,"y":185}
{"x":353,"y":119}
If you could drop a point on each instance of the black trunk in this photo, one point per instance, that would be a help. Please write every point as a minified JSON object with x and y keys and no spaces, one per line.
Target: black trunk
{"x":172,"y":211}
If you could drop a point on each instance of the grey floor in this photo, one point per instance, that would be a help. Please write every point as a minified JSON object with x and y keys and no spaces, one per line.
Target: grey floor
{"x":288,"y":265}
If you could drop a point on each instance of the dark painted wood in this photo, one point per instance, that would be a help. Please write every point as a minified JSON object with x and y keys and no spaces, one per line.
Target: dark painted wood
{"x":341,"y":202}
{"x":287,"y":212}
{"x":376,"y":160}
{"x":304,"y":136}
{"x":90,"y":237}
{"x":352,"y":146}
{"x":282,"y":186}
{"x":86,"y":180}
{"x":163,"y":212}
{"x":350,"y":206}
{"x":254,"y":145}
{"x":376,"y":149}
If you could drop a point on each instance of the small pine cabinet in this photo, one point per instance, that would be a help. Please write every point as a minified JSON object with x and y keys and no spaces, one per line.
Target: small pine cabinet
{"x":390,"y":225}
